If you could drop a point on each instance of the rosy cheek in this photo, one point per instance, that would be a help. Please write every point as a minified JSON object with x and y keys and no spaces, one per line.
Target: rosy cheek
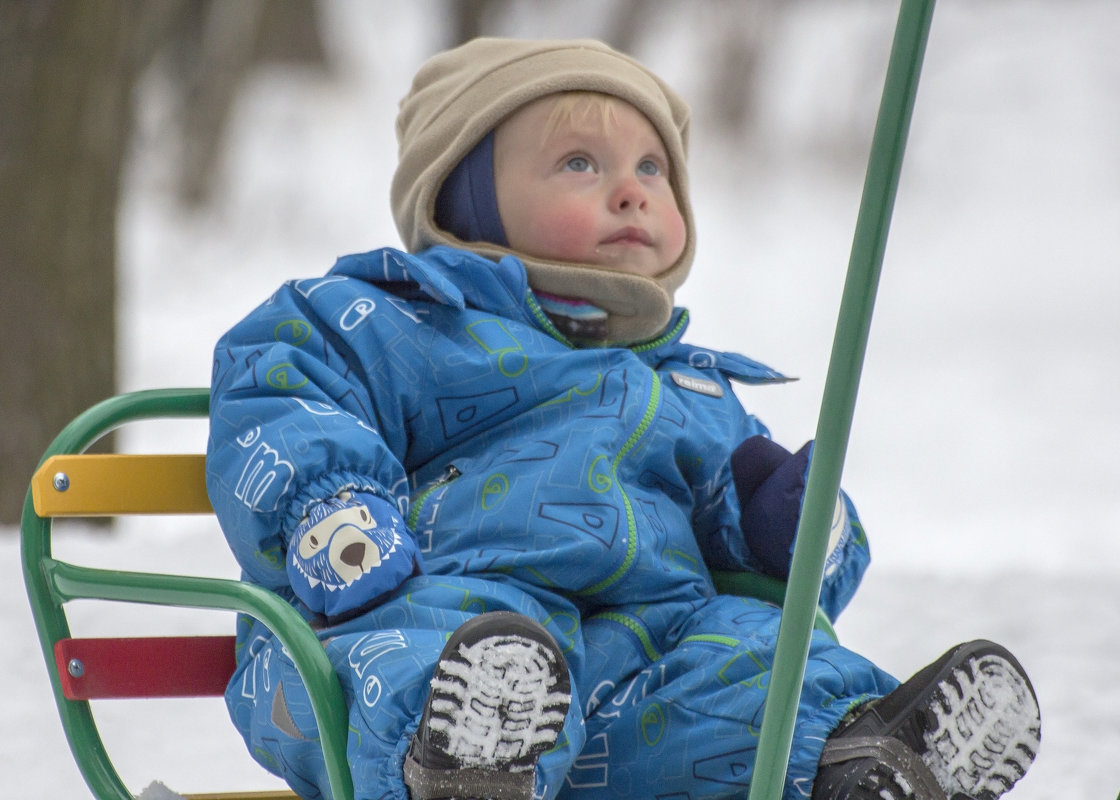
{"x":566,"y":232}
{"x":675,"y":235}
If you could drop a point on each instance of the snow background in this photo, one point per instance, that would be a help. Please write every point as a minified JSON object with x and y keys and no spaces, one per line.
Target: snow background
{"x":981,"y":455}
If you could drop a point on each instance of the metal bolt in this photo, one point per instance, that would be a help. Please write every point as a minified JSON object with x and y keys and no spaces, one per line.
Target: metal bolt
{"x":61,"y":481}
{"x":76,"y":668}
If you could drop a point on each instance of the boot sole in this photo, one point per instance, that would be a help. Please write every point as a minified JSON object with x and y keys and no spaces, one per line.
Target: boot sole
{"x":967,"y":726}
{"x":987,"y":729}
{"x":498,"y":700}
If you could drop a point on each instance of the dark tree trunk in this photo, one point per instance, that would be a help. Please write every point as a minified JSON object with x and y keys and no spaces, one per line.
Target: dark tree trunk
{"x":66,"y":74}
{"x":68,"y":69}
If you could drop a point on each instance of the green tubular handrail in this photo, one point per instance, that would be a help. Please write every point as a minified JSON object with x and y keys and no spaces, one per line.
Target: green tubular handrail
{"x":770,"y":589}
{"x":52,"y":583}
{"x":838,"y":404}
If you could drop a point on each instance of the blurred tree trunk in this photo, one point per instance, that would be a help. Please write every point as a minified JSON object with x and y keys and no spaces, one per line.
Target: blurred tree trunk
{"x":737,"y":32}
{"x":472,"y":18}
{"x":68,"y":70}
{"x":66,"y":73}
{"x":219,"y":43}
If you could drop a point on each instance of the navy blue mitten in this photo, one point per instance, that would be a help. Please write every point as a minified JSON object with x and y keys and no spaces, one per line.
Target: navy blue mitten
{"x":348,"y":551}
{"x":770,"y":482}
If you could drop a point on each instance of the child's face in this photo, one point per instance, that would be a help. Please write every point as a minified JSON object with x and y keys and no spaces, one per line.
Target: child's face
{"x":591,"y":192}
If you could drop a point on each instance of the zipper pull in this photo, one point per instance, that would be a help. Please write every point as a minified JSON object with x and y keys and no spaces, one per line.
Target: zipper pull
{"x":451,"y":473}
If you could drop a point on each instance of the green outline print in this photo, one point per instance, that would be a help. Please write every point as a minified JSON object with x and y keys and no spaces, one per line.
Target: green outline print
{"x":493,"y":337}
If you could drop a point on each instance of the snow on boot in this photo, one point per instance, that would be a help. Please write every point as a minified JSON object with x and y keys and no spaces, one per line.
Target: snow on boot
{"x":498,"y":700}
{"x":966,"y":727}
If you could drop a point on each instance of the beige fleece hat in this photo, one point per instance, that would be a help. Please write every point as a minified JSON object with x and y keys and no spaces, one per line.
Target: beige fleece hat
{"x":462,"y":94}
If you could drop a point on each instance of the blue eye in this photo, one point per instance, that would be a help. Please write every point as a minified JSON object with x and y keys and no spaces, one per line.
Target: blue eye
{"x":578,"y":164}
{"x":648,"y":167}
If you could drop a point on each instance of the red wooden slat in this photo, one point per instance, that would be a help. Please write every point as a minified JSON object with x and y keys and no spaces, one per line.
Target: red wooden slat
{"x":158,"y":666}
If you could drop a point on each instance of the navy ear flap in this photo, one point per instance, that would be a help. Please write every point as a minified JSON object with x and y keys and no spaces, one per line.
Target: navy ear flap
{"x":770,"y":482}
{"x":467,"y":203}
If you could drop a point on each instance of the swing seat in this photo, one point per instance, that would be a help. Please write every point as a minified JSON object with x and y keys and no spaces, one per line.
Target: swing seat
{"x":71,"y":483}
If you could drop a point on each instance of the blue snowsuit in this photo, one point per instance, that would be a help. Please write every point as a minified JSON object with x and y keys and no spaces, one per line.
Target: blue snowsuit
{"x":587,"y":488}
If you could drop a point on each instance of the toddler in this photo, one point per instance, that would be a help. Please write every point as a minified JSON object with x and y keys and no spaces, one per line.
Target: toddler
{"x":492,"y":476}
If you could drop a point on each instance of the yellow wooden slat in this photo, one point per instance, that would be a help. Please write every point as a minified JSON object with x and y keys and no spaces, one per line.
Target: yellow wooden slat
{"x":103,"y":485}
{"x":278,"y":794}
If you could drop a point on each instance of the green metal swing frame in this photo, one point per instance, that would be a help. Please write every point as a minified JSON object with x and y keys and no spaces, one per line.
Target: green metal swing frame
{"x":69,"y":483}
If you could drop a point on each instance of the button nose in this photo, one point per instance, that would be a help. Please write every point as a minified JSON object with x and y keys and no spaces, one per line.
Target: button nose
{"x":629,"y":194}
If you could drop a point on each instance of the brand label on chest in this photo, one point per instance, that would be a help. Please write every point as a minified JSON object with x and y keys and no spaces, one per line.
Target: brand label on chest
{"x":700,"y":385}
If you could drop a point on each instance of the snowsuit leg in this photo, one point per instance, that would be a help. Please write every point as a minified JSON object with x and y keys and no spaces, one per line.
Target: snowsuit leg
{"x":384,"y":660}
{"x":674,"y":697}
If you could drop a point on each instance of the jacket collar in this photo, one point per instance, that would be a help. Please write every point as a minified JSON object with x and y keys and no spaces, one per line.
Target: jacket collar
{"x":462,"y":279}
{"x":446,"y":275}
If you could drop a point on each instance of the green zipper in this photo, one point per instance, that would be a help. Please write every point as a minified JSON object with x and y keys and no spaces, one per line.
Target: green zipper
{"x":631,"y":527}
{"x":451,"y":473}
{"x":635,"y":628}
{"x":546,"y":323}
{"x":543,"y":320}
{"x":663,"y":338}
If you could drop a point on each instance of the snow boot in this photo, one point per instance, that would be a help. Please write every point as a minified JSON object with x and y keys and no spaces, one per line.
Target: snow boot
{"x":498,"y":700}
{"x":966,"y":727}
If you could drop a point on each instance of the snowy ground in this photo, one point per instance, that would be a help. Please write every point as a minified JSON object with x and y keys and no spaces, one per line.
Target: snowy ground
{"x":981,"y":455}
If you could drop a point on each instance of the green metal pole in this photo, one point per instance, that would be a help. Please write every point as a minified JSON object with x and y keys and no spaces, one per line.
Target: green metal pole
{"x":838,"y":403}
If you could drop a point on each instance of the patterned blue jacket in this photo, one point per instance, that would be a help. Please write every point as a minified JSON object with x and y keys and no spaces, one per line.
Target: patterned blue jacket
{"x":435,"y":381}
